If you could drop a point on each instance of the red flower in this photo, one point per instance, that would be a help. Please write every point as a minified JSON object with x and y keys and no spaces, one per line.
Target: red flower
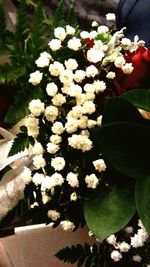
{"x":140,"y":77}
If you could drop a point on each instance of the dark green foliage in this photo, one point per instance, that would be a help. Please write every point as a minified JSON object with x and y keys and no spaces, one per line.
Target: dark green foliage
{"x":21,"y":142}
{"x":84,"y":255}
{"x":59,"y":18}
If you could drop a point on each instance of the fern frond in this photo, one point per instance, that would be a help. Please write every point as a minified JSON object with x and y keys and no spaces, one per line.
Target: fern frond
{"x":59,"y":17}
{"x":72,"y":18}
{"x":21,"y":142}
{"x":80,"y":254}
{"x":10,"y":73}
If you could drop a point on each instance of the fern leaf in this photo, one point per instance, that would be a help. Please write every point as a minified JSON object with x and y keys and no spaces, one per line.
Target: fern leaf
{"x":80,"y":254}
{"x":59,"y":17}
{"x":71,"y":18}
{"x":10,"y":73}
{"x":21,"y":142}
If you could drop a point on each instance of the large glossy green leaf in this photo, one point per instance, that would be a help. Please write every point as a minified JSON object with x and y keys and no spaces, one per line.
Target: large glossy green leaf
{"x":119,"y":109}
{"x":126,"y":147}
{"x":109,"y":212}
{"x":139,"y":97}
{"x":142,"y":197}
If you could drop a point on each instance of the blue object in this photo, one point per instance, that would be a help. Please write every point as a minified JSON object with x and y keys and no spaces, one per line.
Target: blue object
{"x":135,"y":16}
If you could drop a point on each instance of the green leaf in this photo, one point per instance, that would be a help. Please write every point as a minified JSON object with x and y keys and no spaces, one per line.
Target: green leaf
{"x":21,"y":142}
{"x":139,"y":97}
{"x":142,"y":197}
{"x":118,"y":109}
{"x":109,"y":212}
{"x":125,"y":146}
{"x":59,"y":17}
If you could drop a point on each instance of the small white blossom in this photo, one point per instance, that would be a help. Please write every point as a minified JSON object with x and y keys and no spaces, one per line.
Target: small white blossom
{"x":38,"y":178}
{"x":35,"y":77}
{"x":88,"y":107}
{"x":71,"y":64}
{"x":111,"y":75}
{"x":95,"y":55}
{"x":67,"y":225}
{"x":52,"y":148}
{"x":72,"y":179}
{"x":39,"y":161}
{"x":99,"y":165}
{"x":111,"y":240}
{"x":93,"y":34}
{"x":84,"y":34}
{"x":116,"y":255}
{"x":55,"y":139}
{"x":51,"y":89}
{"x":137,"y":241}
{"x":76,"y":112}
{"x":80,"y":99}
{"x":94,"y":23}
{"x":45,"y":198}
{"x":53,"y":214}
{"x":127,"y":68}
{"x":129,"y":229}
{"x":58,"y":163}
{"x":60,"y":33}
{"x":88,"y":87}
{"x":58,"y":100}
{"x":81,"y":142}
{"x":51,"y":113}
{"x":91,"y":181}
{"x":99,"y":86}
{"x":102,"y":29}
{"x":89,"y":96}
{"x":123,"y":246}
{"x":71,"y":125}
{"x":70,"y":30}
{"x":83,"y":122}
{"x":137,"y":258}
{"x":57,"y":179}
{"x":57,"y":128}
{"x":75,"y":90}
{"x":55,"y":44}
{"x":91,"y":71}
{"x":73,"y":196}
{"x":111,"y":16}
{"x":42,"y":62}
{"x":66,"y":76}
{"x":79,"y":76}
{"x":36,"y":107}
{"x":119,"y":61}
{"x":91,"y":124}
{"x":37,"y":149}
{"x":32,"y":125}
{"x":56,"y":68}
{"x":126,"y":43}
{"x":26,"y":175}
{"x":74,"y":44}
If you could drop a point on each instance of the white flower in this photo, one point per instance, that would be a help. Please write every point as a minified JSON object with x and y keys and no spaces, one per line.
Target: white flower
{"x":95,"y":55}
{"x":75,"y":90}
{"x":57,"y":179}
{"x":71,"y":125}
{"x":58,"y":100}
{"x":51,"y":89}
{"x":99,"y":86}
{"x":60,"y":33}
{"x":84,"y":34}
{"x":92,"y":34}
{"x":111,"y":16}
{"x":52,"y":148}
{"x":66,"y":76}
{"x":88,"y":87}
{"x":83,"y":122}
{"x":123,"y":246}
{"x":43,"y":60}
{"x":79,"y":76}
{"x":119,"y":61}
{"x":39,"y":161}
{"x":36,"y":107}
{"x":94,"y":24}
{"x":91,"y":181}
{"x":51,"y":113}
{"x":56,"y":68}
{"x":67,"y":225}
{"x":26,"y":175}
{"x":57,"y":128}
{"x":72,"y":179}
{"x":55,"y":139}
{"x":80,"y":99}
{"x":53,"y":214}
{"x":89,"y":107}
{"x":38,"y":178}
{"x":137,"y":241}
{"x":74,"y":43}
{"x":70,"y":30}
{"x":91,"y":124}
{"x":45,"y":198}
{"x":91,"y":71}
{"x":47,"y":184}
{"x":71,"y":64}
{"x":37,"y":149}
{"x":58,"y":163}
{"x":73,"y":196}
{"x":127,"y":68}
{"x":102,"y":29}
{"x":55,"y":44}
{"x":116,"y":255}
{"x":89,"y":96}
{"x":111,"y":240}
{"x":110,"y":75}
{"x":32,"y":125}
{"x":129,"y":229}
{"x":99,"y":165}
{"x":137,"y":258}
{"x":35,"y":77}
{"x":81,"y":142}
{"x":126,"y":43}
